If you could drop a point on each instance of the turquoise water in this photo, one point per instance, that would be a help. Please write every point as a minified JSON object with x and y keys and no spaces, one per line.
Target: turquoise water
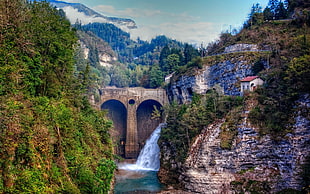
{"x":137,"y":181}
{"x":141,"y":177}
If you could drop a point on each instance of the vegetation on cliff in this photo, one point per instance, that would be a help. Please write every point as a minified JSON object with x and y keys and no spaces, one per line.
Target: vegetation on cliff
{"x":186,"y":121}
{"x":286,"y":37}
{"x":51,"y":139}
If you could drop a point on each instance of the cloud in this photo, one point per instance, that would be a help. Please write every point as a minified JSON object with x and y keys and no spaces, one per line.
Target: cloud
{"x":128,"y":12}
{"x":194,"y":33}
{"x":73,"y":15}
{"x":152,"y":23}
{"x":189,"y":30}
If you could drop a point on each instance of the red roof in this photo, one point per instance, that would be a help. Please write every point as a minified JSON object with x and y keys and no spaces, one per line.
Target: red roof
{"x":249,"y":78}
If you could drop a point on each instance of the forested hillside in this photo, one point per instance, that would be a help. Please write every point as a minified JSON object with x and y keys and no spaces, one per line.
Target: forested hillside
{"x":130,"y":63}
{"x":281,"y":31}
{"x":51,"y":139}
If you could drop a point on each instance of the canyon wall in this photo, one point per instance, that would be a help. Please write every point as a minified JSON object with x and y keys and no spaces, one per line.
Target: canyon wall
{"x":224,"y":76}
{"x":254,"y":163}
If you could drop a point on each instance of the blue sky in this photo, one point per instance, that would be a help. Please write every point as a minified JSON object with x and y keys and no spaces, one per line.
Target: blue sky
{"x":193,"y":21}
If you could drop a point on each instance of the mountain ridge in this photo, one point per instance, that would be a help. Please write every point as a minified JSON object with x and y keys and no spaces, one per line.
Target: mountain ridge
{"x":75,"y":11}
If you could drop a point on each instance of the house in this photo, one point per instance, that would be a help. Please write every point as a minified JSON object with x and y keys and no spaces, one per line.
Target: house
{"x":250,"y":83}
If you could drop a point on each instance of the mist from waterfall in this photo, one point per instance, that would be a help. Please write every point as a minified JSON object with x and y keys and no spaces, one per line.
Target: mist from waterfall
{"x":148,"y":158}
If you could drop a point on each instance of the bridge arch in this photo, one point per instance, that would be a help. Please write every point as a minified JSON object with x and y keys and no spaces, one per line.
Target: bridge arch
{"x":137,"y":105}
{"x":145,"y":123}
{"x":117,"y":112}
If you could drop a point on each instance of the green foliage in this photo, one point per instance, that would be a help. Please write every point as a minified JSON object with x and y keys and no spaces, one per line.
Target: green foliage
{"x":189,"y":53}
{"x":250,"y":186}
{"x":258,"y":67}
{"x":172,"y":62}
{"x":51,"y":139}
{"x":30,"y":181}
{"x":229,"y":128}
{"x":195,"y":62}
{"x":287,"y":69}
{"x":283,"y":86}
{"x":117,"y":38}
{"x":298,"y":72}
{"x":104,"y":175}
{"x":156,"y":76}
{"x":185,"y":122}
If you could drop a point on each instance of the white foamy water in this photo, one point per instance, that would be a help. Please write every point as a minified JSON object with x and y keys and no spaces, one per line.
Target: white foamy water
{"x":148,"y":158}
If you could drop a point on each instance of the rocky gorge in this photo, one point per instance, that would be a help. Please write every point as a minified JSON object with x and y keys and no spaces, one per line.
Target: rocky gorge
{"x":255,"y":161}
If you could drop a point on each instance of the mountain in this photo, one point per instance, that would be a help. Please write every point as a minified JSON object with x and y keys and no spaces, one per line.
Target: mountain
{"x":79,"y":12}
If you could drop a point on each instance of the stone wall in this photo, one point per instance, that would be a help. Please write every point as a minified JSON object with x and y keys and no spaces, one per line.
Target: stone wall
{"x":241,"y":48}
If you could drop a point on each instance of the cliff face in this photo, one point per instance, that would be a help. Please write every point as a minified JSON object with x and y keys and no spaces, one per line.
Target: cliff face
{"x":223,"y":76}
{"x":96,"y":50}
{"x":254,"y":163}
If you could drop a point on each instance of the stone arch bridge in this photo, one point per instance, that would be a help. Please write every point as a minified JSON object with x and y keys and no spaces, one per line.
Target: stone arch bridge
{"x":131,"y":110}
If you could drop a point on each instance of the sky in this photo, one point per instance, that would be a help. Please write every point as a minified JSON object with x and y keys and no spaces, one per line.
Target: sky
{"x":192,"y":21}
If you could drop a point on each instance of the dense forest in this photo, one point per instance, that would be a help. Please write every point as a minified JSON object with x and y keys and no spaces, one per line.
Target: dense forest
{"x":51,"y":139}
{"x":139,"y":63}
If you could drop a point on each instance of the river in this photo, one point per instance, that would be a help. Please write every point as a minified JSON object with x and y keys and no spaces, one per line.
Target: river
{"x":141,"y":177}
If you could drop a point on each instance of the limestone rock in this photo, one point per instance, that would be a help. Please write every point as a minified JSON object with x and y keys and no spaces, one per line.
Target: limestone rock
{"x":241,"y":47}
{"x":253,"y":162}
{"x":224,"y":77}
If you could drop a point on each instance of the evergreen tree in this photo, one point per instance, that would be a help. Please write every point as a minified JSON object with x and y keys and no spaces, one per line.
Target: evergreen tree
{"x":273,"y":5}
{"x":189,"y":53}
{"x":172,"y":63}
{"x":255,"y":16}
{"x":276,"y":10}
{"x":163,"y":55}
{"x":156,"y":76}
{"x":281,"y":12}
{"x":267,"y":14}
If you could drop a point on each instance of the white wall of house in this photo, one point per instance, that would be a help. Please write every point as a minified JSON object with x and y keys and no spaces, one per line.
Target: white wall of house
{"x":251,"y":85}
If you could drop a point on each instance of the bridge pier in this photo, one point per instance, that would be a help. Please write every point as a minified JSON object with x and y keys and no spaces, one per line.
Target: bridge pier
{"x":128,"y":104}
{"x":131,"y":146}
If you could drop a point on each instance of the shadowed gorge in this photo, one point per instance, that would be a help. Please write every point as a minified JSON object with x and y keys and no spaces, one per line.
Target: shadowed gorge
{"x":118,"y":114}
{"x":145,"y":123}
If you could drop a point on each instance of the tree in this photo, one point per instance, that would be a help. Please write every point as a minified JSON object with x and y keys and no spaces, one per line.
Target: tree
{"x":255,"y":16}
{"x":172,"y":63}
{"x":298,"y":73}
{"x":156,"y":76}
{"x":273,"y":5}
{"x":189,"y":53}
{"x":281,"y":11}
{"x":53,"y":36}
{"x":267,"y":14}
{"x":163,"y":55}
{"x":119,"y":76}
{"x":292,"y":4}
{"x":276,"y":10}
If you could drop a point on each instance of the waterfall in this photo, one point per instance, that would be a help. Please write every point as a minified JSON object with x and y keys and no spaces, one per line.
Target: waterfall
{"x":148,"y":158}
